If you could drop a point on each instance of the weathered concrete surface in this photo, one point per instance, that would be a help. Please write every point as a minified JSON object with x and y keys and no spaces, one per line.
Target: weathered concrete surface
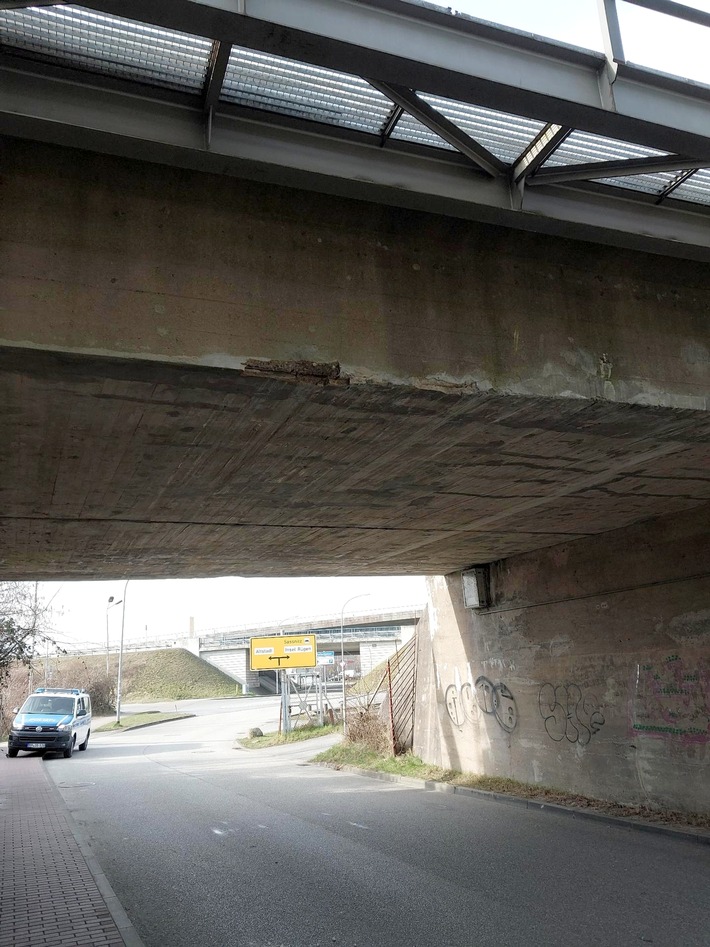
{"x":115,"y":467}
{"x":590,"y":672}
{"x":109,"y":256}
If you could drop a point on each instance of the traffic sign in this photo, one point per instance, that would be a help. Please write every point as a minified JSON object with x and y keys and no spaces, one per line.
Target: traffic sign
{"x":326,"y":658}
{"x":282,"y":651}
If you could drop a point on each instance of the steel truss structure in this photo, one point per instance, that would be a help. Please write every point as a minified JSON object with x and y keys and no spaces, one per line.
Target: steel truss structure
{"x":396,"y":101}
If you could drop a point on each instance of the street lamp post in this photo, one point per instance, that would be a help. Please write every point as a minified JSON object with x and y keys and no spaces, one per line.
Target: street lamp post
{"x":342,"y":648}
{"x":120,"y":654}
{"x":111,"y":603}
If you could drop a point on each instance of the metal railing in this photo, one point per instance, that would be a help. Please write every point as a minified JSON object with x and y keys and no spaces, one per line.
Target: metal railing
{"x":215,"y":643}
{"x":611,"y":28}
{"x":333,"y":618}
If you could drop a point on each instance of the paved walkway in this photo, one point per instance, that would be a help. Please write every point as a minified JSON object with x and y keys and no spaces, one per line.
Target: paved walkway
{"x":50,"y":894}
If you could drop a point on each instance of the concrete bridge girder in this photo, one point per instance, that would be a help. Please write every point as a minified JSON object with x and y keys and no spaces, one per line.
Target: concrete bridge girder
{"x":108,"y":256}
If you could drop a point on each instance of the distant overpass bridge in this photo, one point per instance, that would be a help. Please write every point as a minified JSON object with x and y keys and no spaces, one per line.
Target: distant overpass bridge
{"x":368,"y":640}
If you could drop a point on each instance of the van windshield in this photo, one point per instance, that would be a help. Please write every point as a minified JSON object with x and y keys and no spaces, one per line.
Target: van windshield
{"x":44,"y":704}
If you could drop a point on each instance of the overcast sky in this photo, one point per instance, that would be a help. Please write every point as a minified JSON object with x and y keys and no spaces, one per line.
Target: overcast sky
{"x":164,"y":608}
{"x":650,"y":39}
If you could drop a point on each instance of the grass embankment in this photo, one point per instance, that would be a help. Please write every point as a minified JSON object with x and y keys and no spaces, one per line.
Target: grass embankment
{"x":147,"y":676}
{"x":369,"y":683}
{"x":172,"y":674}
{"x":134,"y":721}
{"x":352,"y":754}
{"x":294,"y":736}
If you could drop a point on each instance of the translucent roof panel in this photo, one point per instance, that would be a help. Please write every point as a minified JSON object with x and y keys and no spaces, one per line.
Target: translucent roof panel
{"x":411,"y":129}
{"x":259,"y":80}
{"x":506,"y":136}
{"x":108,"y":44}
{"x":648,"y":183}
{"x":583,"y":147}
{"x":695,"y":189}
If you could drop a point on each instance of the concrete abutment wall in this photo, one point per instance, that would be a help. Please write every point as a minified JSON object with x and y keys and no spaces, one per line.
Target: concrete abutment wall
{"x":590,"y":672}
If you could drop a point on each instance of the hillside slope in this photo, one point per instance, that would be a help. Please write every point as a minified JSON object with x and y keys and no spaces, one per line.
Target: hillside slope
{"x":165,"y":674}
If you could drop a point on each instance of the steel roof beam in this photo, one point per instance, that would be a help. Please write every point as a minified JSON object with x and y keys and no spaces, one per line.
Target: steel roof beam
{"x":681,"y":179}
{"x":24,"y":4}
{"x":539,"y":150}
{"x":592,"y":170}
{"x":455,"y":56}
{"x":678,"y":10}
{"x":389,"y":126}
{"x":103,"y":120}
{"x":611,"y":31}
{"x":216,"y":70}
{"x":441,"y":126}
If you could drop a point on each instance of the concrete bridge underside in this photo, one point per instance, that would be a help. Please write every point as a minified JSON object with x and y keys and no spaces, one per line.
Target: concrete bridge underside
{"x":162,"y":470}
{"x":206,"y":376}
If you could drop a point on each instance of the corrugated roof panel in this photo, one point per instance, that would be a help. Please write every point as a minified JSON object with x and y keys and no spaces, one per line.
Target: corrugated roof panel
{"x":259,"y":80}
{"x":506,"y":136}
{"x":648,"y":183}
{"x":583,"y":147}
{"x":695,"y":189}
{"x":411,"y":129}
{"x":108,"y":44}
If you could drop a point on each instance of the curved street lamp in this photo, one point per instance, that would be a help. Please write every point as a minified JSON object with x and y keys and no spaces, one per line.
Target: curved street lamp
{"x":120,"y":654}
{"x":111,"y":604}
{"x":342,"y":647}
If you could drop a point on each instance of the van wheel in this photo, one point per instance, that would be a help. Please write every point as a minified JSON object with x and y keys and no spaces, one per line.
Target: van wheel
{"x":83,"y":746}
{"x":69,"y":750}
{"x":12,"y":753}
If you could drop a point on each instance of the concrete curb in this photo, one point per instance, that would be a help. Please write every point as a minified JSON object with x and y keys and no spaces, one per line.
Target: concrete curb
{"x":698,"y":836}
{"x":120,"y":918}
{"x":142,"y":726}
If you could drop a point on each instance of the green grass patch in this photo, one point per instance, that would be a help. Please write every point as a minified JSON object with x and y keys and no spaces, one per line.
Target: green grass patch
{"x":353,"y":754}
{"x":133,"y":721}
{"x":295,"y":736}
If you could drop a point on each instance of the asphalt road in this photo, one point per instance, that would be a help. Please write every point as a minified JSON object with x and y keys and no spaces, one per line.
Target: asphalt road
{"x":210,"y":846}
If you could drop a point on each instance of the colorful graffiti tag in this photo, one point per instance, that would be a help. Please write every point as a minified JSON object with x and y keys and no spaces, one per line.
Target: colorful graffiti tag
{"x":672,"y":699}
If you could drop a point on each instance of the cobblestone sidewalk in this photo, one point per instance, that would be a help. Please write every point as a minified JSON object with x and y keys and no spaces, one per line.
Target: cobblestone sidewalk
{"x":48,"y":894}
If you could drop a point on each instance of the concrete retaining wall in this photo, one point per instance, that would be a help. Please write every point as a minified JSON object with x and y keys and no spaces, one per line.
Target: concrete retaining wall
{"x":236,"y":664}
{"x":590,"y":672}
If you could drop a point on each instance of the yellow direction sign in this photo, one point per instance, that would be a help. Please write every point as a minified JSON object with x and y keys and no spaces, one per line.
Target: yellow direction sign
{"x":288,"y":651}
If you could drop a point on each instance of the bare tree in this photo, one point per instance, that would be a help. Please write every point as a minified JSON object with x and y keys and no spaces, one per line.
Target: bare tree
{"x":22,"y":624}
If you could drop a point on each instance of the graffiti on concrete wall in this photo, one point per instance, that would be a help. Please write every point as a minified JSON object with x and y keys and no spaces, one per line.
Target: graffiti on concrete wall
{"x":460,"y":703}
{"x":494,"y":699}
{"x":569,"y":714}
{"x":672,"y":699}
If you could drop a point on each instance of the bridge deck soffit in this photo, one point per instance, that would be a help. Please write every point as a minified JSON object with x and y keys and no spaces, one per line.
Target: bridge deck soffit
{"x":122,"y":467}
